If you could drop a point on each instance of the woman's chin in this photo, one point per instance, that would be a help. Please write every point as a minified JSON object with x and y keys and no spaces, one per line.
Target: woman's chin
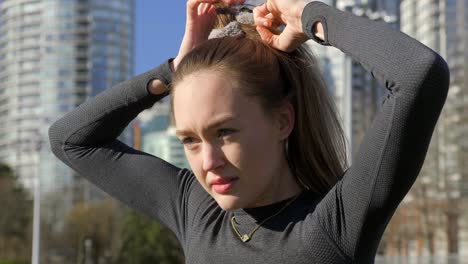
{"x":228,"y":203}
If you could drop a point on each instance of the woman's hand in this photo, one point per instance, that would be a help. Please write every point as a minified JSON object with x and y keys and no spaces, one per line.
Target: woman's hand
{"x":275,"y":13}
{"x":201,"y":16}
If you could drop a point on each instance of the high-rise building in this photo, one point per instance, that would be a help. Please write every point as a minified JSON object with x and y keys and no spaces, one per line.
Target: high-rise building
{"x":443,"y":26}
{"x":55,"y":54}
{"x":158,"y":135}
{"x":165,"y":145}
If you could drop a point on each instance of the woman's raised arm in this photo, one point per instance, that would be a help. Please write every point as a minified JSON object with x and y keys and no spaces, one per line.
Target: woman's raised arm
{"x":86,"y":140}
{"x":355,"y":212}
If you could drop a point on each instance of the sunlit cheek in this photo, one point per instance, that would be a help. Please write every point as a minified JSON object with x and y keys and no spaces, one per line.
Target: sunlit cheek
{"x":233,"y":154}
{"x":191,"y":159}
{"x":195,"y":162}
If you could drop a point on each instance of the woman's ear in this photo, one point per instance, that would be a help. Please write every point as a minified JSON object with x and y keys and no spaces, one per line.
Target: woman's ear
{"x":285,"y":119}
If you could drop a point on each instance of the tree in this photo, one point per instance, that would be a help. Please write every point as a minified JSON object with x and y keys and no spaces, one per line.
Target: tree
{"x":90,"y":231}
{"x":147,"y":241}
{"x":15,"y":219}
{"x":402,"y":228}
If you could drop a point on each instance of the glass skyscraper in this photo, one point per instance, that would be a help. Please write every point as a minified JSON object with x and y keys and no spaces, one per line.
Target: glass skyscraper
{"x":55,"y":54}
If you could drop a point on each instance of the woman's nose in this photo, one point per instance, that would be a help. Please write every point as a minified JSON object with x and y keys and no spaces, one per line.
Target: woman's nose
{"x":212,"y":157}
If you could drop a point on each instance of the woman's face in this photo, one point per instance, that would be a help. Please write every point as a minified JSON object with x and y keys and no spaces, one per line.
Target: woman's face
{"x":226,"y":135}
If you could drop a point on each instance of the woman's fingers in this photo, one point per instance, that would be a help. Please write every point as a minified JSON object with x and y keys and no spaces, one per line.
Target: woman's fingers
{"x":267,"y":36}
{"x":263,"y":17}
{"x":268,"y":16}
{"x":194,"y":7}
{"x":263,"y":20}
{"x":233,"y":2}
{"x":198,"y":7}
{"x":203,"y":8}
{"x":259,"y":13}
{"x":195,"y":3}
{"x":286,"y":41}
{"x":201,"y":15}
{"x":268,"y":21}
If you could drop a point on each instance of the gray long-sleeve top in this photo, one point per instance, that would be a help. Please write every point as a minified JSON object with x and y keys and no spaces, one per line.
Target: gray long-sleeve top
{"x":344,"y":226}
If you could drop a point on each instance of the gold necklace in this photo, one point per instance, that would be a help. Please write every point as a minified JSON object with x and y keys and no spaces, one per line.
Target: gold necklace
{"x":247,"y":237}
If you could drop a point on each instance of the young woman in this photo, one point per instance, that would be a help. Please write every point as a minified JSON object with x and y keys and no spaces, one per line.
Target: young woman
{"x":268,"y":180}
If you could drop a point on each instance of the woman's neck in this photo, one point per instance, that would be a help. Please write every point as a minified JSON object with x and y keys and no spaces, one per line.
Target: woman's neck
{"x":283,"y":187}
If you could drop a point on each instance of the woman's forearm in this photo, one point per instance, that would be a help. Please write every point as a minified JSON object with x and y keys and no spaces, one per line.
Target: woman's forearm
{"x":102,"y":118}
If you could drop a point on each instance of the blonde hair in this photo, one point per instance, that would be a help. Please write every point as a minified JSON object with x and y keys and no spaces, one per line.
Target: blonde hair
{"x":316,"y":149}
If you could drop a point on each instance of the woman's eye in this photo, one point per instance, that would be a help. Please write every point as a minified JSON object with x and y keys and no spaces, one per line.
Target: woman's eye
{"x":186,"y":141}
{"x":189,"y":141}
{"x":225,"y":132}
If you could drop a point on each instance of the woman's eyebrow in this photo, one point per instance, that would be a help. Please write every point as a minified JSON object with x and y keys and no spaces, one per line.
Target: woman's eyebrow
{"x":215,"y":123}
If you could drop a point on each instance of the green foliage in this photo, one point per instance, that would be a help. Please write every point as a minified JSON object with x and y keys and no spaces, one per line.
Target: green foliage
{"x":13,"y":262}
{"x":96,"y":222}
{"x":5,"y":171}
{"x":15,"y":219}
{"x":147,"y":241}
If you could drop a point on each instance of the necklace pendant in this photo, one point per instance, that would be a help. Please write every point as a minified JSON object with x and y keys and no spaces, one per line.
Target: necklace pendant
{"x":245,"y":238}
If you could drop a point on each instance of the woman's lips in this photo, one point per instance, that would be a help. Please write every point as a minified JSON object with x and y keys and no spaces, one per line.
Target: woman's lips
{"x":222,"y":186}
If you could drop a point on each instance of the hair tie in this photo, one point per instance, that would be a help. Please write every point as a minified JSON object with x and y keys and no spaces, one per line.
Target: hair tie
{"x":232,"y":29}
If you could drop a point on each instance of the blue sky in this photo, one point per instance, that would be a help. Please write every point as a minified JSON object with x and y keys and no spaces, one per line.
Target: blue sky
{"x":159,"y":31}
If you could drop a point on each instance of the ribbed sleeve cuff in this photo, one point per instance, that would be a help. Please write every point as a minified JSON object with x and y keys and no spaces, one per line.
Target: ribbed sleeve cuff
{"x":164,"y":73}
{"x":141,"y":82}
{"x":315,"y":12}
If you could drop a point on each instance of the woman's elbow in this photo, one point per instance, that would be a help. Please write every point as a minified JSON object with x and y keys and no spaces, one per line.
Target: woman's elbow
{"x":56,"y":139}
{"x":438,"y":71}
{"x":430,"y":77}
